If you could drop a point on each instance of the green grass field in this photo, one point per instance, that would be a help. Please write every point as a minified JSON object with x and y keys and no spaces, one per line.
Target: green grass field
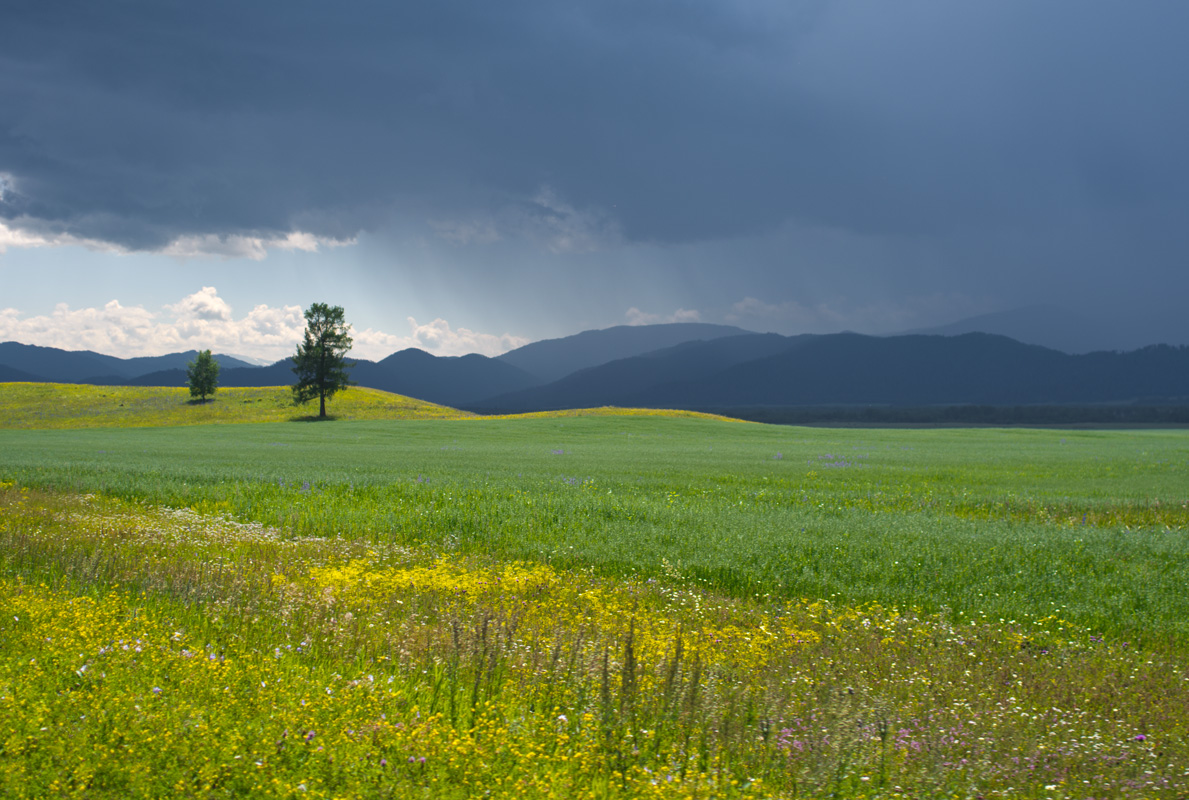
{"x":599,"y":605}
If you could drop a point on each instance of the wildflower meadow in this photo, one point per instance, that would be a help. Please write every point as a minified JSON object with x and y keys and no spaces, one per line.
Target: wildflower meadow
{"x":600,"y":606}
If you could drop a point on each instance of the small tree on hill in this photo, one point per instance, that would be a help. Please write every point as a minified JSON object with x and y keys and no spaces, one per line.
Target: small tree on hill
{"x":320,"y":362}
{"x":203,"y":374}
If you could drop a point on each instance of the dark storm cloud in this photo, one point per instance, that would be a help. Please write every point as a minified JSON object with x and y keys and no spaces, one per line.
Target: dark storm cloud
{"x":137,"y":122}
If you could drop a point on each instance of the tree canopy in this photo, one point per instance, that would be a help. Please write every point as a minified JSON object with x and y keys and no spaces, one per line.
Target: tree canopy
{"x":203,"y":375}
{"x":320,"y":363}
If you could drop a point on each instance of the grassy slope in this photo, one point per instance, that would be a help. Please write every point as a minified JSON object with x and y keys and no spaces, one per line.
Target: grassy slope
{"x":62,"y":405}
{"x":68,"y":405}
{"x":611,"y":411}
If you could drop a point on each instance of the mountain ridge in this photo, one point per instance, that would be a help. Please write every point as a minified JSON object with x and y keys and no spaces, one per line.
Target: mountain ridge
{"x":854,"y":369}
{"x":86,"y":366}
{"x":551,"y":359}
{"x":733,"y":370}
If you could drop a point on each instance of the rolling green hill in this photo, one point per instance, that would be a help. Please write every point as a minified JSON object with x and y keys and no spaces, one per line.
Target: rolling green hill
{"x":67,"y":405}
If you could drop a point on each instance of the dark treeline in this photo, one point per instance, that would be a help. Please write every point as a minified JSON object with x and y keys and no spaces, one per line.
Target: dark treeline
{"x":1105,"y":415}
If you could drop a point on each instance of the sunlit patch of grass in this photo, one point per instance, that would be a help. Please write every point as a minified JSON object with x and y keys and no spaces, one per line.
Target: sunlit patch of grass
{"x":160,"y":652}
{"x":63,"y":405}
{"x":68,"y":405}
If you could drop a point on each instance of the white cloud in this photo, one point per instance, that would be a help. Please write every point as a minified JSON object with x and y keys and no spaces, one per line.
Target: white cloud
{"x":112,"y":329}
{"x":637,"y":317}
{"x":208,"y":245}
{"x":203,"y":320}
{"x":204,"y":304}
{"x":254,"y":248}
{"x":17,"y":236}
{"x":436,"y":337}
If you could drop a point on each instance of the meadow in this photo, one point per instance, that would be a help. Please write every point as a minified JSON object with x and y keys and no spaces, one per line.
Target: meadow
{"x":58,"y":405}
{"x":602,"y":605}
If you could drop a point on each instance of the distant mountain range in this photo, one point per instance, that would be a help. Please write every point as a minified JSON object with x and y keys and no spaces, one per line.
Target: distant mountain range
{"x":85,"y":366}
{"x":850,"y":369}
{"x":698,"y":367}
{"x":551,"y":359}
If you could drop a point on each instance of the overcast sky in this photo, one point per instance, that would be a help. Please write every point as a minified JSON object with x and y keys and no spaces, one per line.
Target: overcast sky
{"x":470,"y":176}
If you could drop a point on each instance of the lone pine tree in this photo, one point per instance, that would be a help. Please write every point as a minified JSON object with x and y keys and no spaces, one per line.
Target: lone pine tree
{"x":320,"y":362}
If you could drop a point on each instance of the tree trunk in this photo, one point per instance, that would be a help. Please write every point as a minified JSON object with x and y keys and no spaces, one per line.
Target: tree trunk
{"x":321,"y":379}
